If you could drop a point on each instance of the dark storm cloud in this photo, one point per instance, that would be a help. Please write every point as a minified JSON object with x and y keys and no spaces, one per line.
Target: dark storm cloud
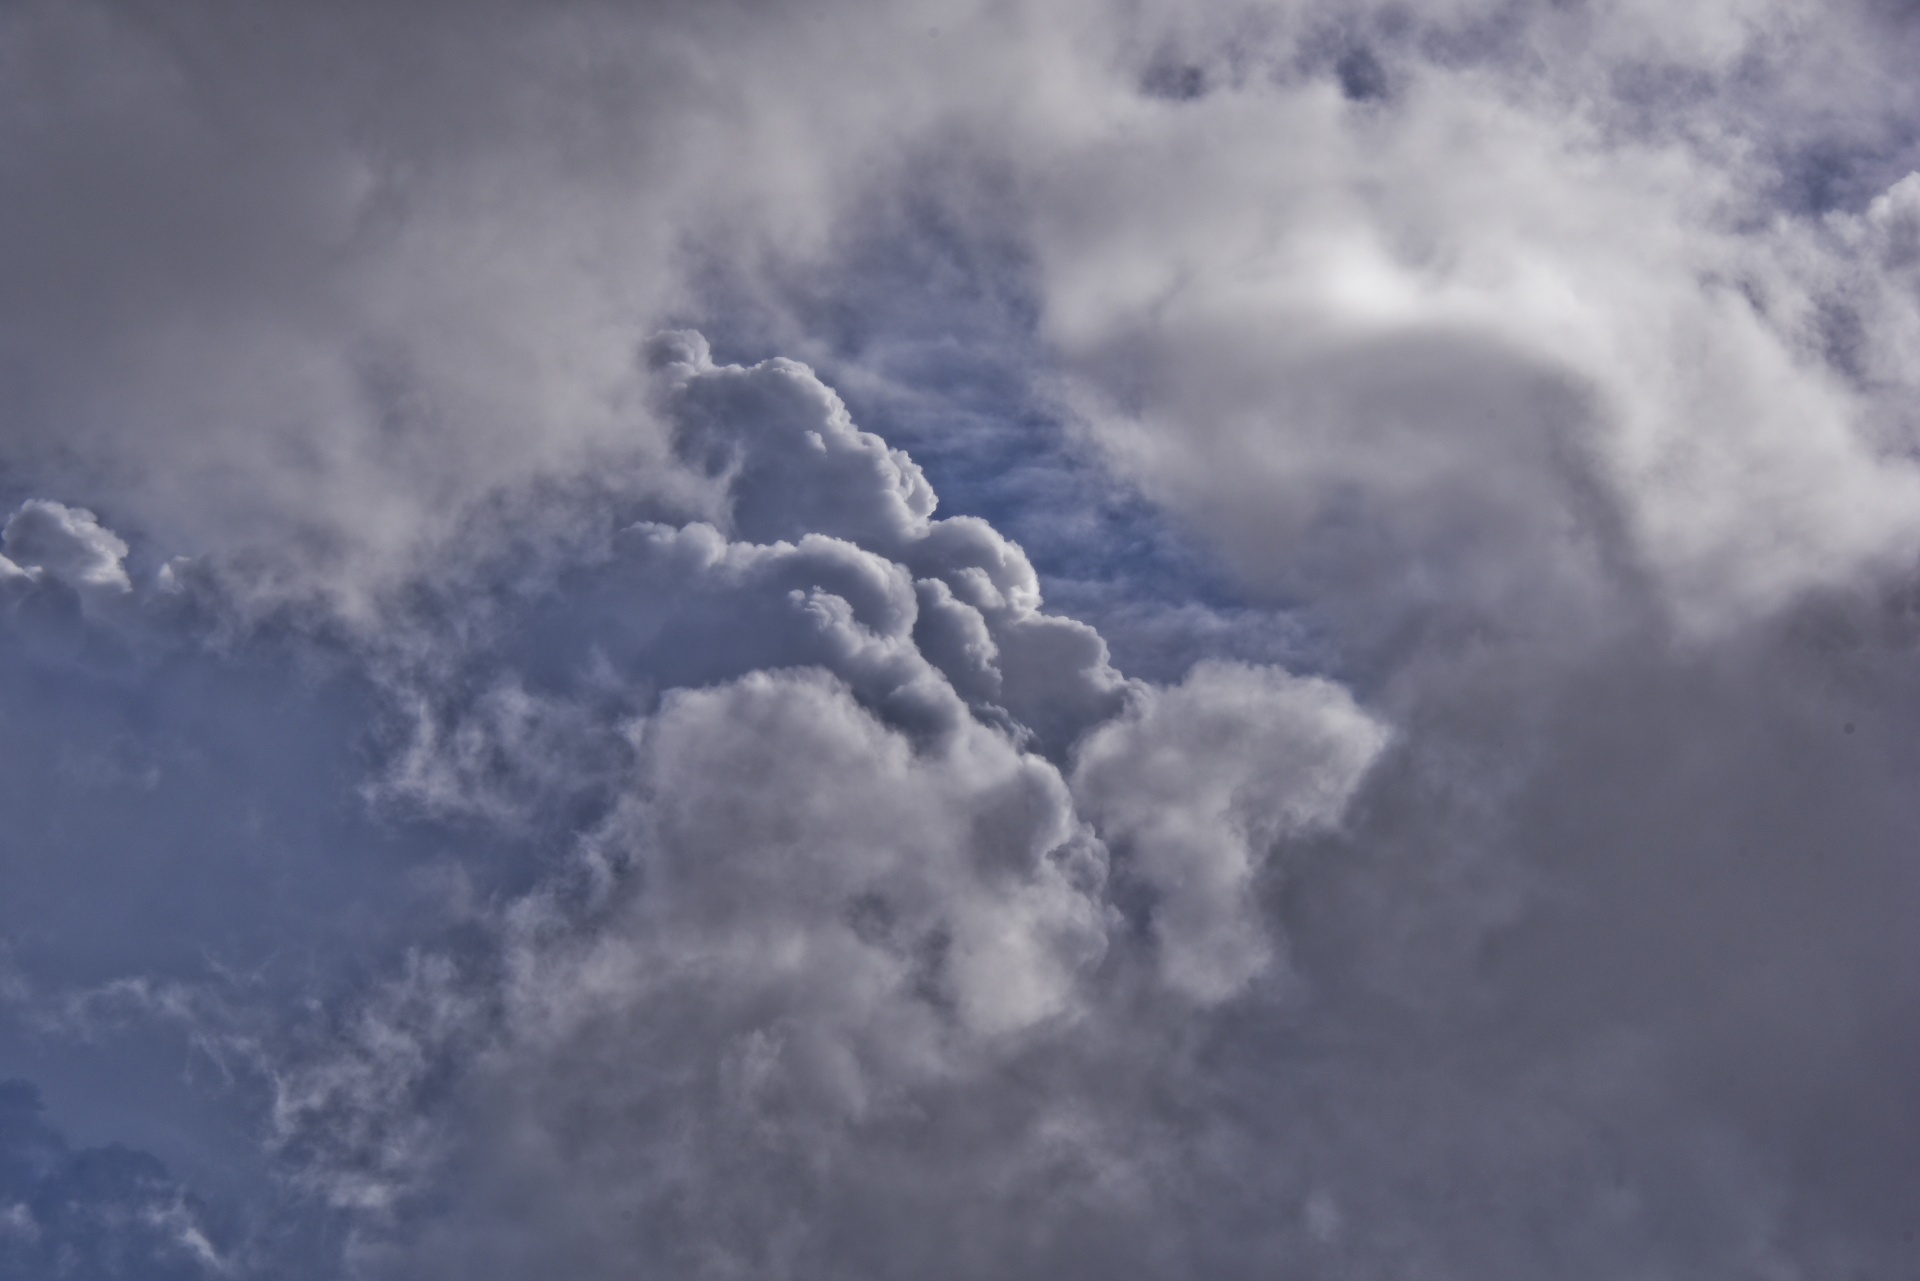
{"x":578,"y":805}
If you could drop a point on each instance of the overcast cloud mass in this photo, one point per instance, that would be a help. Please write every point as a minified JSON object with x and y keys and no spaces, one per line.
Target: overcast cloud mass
{"x":1106,"y":638}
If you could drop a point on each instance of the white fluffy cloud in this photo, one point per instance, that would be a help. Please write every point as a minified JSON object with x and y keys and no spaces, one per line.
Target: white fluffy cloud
{"x":68,"y":544}
{"x":838,"y":872}
{"x":50,"y":542}
{"x":1185,"y":784}
{"x":1455,"y":345}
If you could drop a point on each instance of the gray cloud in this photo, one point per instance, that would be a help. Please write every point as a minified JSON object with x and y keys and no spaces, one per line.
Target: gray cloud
{"x":1186,"y":786}
{"x":67,"y":544}
{"x":826,"y":889}
{"x":578,"y":804}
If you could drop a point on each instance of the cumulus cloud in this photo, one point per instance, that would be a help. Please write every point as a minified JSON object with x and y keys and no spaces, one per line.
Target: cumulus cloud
{"x":838,"y":871}
{"x":1509,"y":391}
{"x":67,"y":544}
{"x":607,"y":814}
{"x":1186,"y":784}
{"x":796,"y":467}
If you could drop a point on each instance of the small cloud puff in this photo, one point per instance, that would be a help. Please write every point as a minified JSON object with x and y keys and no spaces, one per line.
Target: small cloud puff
{"x":67,"y":545}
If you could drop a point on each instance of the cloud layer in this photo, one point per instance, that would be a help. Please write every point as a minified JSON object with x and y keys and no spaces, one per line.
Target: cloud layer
{"x":1388,"y":756}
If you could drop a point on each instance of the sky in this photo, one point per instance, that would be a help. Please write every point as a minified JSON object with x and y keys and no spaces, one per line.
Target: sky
{"x":959,"y":639}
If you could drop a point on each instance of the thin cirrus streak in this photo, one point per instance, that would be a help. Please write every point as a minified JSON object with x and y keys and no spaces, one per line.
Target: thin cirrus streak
{"x":1388,"y":757}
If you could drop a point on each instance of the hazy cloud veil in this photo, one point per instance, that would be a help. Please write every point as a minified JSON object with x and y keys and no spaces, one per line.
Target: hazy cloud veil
{"x":960,"y":640}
